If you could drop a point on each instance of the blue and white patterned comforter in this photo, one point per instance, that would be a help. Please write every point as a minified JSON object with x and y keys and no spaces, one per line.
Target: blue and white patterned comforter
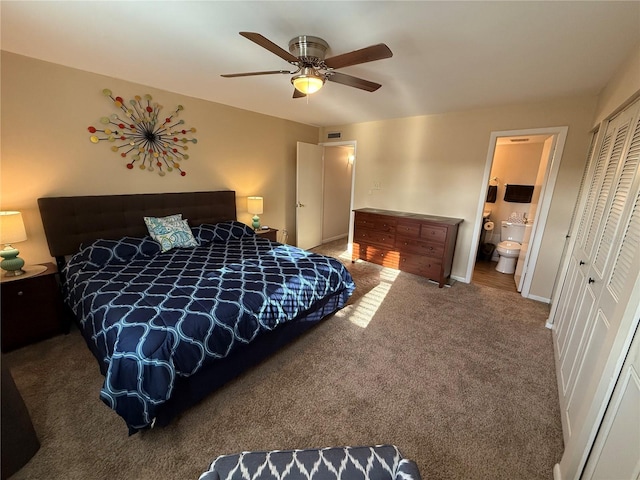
{"x":154,"y":316}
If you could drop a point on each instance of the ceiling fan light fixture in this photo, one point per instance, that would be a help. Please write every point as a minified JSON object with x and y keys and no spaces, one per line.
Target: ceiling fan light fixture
{"x":308,"y":82}
{"x":307,"y":54}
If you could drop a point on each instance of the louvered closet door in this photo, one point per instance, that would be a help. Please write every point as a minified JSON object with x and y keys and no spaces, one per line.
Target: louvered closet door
{"x":578,"y":298}
{"x":569,"y":302}
{"x":603,"y":272}
{"x":617,"y":451}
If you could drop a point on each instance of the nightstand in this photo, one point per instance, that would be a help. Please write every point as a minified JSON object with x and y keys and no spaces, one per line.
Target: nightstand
{"x":30,"y":307}
{"x":271,"y":234}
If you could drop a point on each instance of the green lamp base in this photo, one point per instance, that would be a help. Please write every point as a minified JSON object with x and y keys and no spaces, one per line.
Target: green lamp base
{"x":12,"y":264}
{"x":256,"y":222}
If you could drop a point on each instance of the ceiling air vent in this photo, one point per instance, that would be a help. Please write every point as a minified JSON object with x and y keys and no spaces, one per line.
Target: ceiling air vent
{"x":334,"y":135}
{"x":519,"y":139}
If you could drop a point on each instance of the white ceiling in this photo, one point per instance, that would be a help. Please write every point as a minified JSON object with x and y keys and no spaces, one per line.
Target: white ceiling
{"x":448,"y":56}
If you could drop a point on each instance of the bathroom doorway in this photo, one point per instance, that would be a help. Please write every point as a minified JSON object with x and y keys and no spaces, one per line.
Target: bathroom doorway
{"x":521,"y":158}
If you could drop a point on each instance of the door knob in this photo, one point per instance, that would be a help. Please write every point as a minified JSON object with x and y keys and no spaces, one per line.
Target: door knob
{"x":581,"y":262}
{"x":591,"y":280}
{"x":299,"y":204}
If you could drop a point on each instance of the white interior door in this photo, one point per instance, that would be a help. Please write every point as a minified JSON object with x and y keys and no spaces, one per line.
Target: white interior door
{"x":522,"y":265}
{"x":309,"y":188}
{"x":523,"y":258}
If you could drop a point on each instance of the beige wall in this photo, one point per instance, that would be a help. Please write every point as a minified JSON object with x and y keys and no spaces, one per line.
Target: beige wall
{"x":337,"y":193}
{"x":429,"y":164}
{"x":624,"y":84}
{"x":515,"y":164}
{"x":436,"y":164}
{"x":45,"y":150}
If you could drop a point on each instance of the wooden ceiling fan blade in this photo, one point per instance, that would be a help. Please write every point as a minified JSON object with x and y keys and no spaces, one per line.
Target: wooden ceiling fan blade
{"x":250,"y":74}
{"x":269,"y":45}
{"x":298,"y":94}
{"x":364,"y":55}
{"x":351,"y":81}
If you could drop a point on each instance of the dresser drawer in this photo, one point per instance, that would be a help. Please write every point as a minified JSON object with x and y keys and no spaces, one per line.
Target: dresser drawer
{"x":373,"y":236}
{"x":408,"y":229}
{"x":422,"y":247}
{"x":434,"y":233}
{"x":420,"y":265}
{"x":381,"y":256}
{"x":375,"y":222}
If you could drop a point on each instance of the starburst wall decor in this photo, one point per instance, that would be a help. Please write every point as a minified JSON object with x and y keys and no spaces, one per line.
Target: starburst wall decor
{"x":152,"y":145}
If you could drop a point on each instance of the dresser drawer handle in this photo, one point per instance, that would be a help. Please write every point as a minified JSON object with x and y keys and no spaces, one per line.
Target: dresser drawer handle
{"x":20,"y":293}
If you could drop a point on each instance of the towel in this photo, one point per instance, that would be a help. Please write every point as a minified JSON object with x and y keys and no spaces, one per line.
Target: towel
{"x":492,"y":193}
{"x":518,"y":193}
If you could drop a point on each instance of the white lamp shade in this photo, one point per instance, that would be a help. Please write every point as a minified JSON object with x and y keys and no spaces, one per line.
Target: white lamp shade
{"x":254,"y":205}
{"x":12,"y":228}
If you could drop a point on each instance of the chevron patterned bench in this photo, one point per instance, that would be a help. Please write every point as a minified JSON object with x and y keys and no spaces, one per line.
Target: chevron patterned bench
{"x":381,"y":462}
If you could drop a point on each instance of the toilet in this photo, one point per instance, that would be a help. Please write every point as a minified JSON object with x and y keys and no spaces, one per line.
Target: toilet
{"x":511,"y":236}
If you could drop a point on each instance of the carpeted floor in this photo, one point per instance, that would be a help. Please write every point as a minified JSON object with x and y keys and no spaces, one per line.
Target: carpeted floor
{"x":461,"y":379}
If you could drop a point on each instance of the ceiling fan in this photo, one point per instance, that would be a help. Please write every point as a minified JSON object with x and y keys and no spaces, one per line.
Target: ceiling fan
{"x":307,"y":53}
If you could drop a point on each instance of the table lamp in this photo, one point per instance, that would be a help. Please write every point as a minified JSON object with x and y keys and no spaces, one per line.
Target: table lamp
{"x":11,"y":231}
{"x":254,"y":205}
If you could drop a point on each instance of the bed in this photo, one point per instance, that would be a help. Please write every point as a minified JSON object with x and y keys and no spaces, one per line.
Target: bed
{"x":169,"y":327}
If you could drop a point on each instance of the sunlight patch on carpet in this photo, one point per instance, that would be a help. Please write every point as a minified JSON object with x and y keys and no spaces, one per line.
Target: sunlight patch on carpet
{"x":365,"y":309}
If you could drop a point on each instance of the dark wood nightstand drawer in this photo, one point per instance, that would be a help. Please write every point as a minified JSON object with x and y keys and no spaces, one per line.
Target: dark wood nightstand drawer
{"x":30,"y":309}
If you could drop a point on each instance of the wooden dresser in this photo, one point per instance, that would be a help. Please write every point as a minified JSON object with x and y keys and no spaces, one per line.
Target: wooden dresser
{"x":411,"y":242}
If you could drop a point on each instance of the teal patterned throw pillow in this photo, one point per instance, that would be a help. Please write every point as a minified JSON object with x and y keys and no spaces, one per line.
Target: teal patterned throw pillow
{"x":170,"y":232}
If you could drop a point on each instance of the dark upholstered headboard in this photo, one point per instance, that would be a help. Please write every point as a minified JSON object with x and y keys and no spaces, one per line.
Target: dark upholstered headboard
{"x":71,"y":221}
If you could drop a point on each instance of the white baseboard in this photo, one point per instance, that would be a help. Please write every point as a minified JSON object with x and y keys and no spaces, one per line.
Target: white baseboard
{"x":556,"y":472}
{"x":337,"y":237}
{"x":539,"y":299}
{"x":459,"y":279}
